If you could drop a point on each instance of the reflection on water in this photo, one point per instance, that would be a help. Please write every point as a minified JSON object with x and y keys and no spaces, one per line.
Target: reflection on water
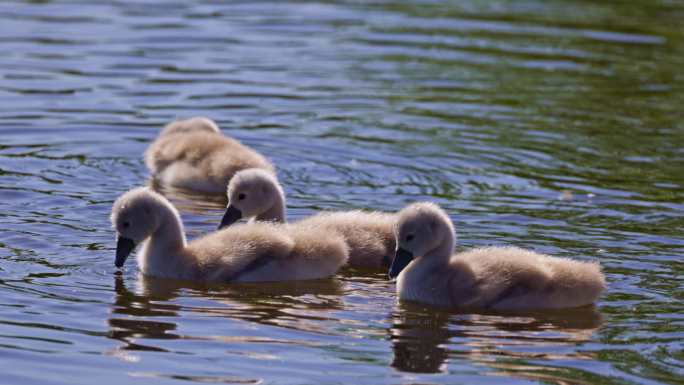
{"x":493,"y":109}
{"x":418,"y":342}
{"x":289,"y":305}
{"x":425,"y":338}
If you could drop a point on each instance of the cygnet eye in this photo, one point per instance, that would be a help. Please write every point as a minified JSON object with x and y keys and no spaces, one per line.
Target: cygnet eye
{"x":126,"y":224}
{"x":409,"y":237}
{"x":241,"y":197}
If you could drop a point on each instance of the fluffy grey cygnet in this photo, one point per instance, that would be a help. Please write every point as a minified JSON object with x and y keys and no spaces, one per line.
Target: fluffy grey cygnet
{"x":255,"y":194}
{"x":491,"y":277}
{"x":194,"y":154}
{"x":263,"y":252}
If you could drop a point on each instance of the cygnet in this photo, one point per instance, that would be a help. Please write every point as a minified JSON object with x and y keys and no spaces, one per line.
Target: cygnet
{"x":491,"y":277}
{"x":255,"y":194}
{"x":193,"y":154}
{"x":261,"y":252}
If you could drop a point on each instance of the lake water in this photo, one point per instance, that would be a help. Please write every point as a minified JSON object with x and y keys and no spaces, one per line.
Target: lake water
{"x":551,"y":125}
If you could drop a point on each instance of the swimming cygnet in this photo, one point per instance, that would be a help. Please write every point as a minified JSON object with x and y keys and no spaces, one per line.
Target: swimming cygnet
{"x":261,"y":252}
{"x":257,"y":195}
{"x":194,"y":154}
{"x":489,"y":277}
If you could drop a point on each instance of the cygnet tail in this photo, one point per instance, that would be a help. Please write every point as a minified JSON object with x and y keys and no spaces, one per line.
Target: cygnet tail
{"x":575,"y":283}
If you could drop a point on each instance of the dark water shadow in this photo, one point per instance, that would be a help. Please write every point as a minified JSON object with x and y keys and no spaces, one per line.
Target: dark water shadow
{"x":425,"y":337}
{"x":298,"y":305}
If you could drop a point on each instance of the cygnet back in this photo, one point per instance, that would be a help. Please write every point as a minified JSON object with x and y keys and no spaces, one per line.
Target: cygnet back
{"x":196,"y":124}
{"x":197,"y":156}
{"x":369,"y":234}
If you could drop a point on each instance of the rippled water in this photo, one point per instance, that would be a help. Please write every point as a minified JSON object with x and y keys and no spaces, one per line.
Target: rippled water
{"x":493,"y":109}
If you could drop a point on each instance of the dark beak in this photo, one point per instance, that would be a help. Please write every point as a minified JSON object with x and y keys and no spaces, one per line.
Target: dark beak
{"x":401,"y":259}
{"x":124,"y":247}
{"x":231,"y":216}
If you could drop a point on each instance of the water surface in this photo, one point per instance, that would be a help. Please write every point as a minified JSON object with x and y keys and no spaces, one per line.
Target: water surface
{"x":493,"y":109}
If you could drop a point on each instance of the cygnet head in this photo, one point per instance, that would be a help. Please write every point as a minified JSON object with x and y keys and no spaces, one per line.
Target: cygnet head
{"x":197,"y":124}
{"x":136,"y":215}
{"x":251,"y":193}
{"x":420,"y":228}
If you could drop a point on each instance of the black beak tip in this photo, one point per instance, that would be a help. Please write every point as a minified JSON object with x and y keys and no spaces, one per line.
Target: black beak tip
{"x":124,"y":247}
{"x":231,"y":216}
{"x":401,"y":259}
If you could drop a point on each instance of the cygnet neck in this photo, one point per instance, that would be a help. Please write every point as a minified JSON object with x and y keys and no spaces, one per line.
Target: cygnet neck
{"x":418,"y":279}
{"x":165,"y":246}
{"x":441,"y":254}
{"x":444,"y":251}
{"x":276,"y":212}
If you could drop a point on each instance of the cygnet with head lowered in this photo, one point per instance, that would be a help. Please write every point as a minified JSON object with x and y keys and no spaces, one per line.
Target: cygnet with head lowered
{"x":256,"y":194}
{"x":491,"y":277}
{"x":194,"y":154}
{"x":262,"y":252}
